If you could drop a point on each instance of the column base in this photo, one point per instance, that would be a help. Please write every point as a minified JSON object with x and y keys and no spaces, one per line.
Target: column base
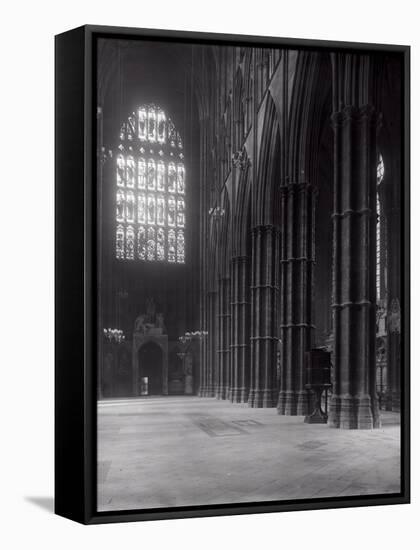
{"x":221,"y":392}
{"x":317,"y":417}
{"x":291,"y":403}
{"x":239,"y":395}
{"x":393,"y":401}
{"x":205,"y":391}
{"x":353,"y":413}
{"x":259,"y":399}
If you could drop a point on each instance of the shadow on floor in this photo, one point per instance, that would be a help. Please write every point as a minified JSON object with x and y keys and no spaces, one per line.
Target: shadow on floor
{"x":46,"y":503}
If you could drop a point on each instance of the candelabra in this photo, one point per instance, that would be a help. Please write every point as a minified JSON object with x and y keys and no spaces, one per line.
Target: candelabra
{"x":195,"y":335}
{"x":240,"y":160}
{"x":216,"y":212}
{"x":186,"y":339}
{"x":114,"y":335}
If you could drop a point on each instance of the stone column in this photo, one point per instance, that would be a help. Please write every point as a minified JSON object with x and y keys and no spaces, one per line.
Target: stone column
{"x":209,"y":346}
{"x":204,"y":360}
{"x":204,"y":305}
{"x":100,"y":179}
{"x":392,"y":211}
{"x":223,"y":351}
{"x":204,"y":350}
{"x":201,"y":388}
{"x":227,"y":340}
{"x":212,"y":380}
{"x":393,"y":396}
{"x":354,"y":402}
{"x":240,"y":331}
{"x":296,"y":328}
{"x":204,"y":347}
{"x":264,"y":337}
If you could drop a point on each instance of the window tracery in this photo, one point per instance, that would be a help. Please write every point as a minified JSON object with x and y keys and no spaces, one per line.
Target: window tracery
{"x":150,"y":189}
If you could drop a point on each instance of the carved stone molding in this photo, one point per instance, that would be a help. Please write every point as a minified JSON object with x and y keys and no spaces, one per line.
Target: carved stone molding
{"x":240,"y":160}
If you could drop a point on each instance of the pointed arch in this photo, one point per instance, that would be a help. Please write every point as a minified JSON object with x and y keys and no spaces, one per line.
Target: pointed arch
{"x":248,"y":88}
{"x":268,"y":181}
{"x":239,"y":115}
{"x":309,"y":113}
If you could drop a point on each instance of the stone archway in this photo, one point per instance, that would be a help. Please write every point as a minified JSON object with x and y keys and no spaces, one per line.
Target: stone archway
{"x":150,"y":367}
{"x":150,"y":358}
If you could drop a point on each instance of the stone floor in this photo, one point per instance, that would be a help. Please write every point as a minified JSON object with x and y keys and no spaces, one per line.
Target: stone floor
{"x":177,"y":451}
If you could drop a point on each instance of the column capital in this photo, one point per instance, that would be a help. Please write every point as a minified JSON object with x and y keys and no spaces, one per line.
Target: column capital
{"x":269,"y":228}
{"x":240,"y":260}
{"x":352,"y":113}
{"x":298,"y":187}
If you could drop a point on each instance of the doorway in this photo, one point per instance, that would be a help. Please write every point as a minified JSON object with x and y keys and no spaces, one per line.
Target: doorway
{"x":150,"y":367}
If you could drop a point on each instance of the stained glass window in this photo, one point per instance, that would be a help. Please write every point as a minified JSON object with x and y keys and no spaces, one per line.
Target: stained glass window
{"x":171,"y":211}
{"x":129,"y":253}
{"x":161,"y":126}
{"x":130,"y":171}
{"x":141,"y":174}
{"x":161,"y":176}
{"x":171,"y":246}
{"x":141,"y":243}
{"x":160,"y":244}
{"x":151,"y":175}
{"x":180,"y":213}
{"x":171,"y":178}
{"x":141,"y":208}
{"x":120,"y":170}
{"x":151,"y":125}
{"x":151,"y":209}
{"x":142,"y":123}
{"x":150,"y":189}
{"x":130,"y":207}
{"x":131,"y":127}
{"x":120,"y":214}
{"x":151,"y":244}
{"x":161,"y":210}
{"x":180,"y":244}
{"x":180,"y":178}
{"x":119,"y":247}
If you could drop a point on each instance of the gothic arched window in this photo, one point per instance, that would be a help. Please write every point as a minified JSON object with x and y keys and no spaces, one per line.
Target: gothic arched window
{"x":150,"y":189}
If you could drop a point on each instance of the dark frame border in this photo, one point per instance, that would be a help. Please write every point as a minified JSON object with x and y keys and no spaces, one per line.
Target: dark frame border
{"x":76,"y":276}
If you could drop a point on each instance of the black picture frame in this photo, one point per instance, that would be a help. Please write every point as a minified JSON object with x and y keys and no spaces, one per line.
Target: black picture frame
{"x":76,"y":264}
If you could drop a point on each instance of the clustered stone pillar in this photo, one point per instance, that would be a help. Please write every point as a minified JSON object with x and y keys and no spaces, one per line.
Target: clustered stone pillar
{"x":393,"y":396}
{"x":264,"y":294}
{"x":223,"y":352}
{"x":205,"y":364}
{"x":392,"y":209}
{"x":208,"y":374}
{"x":354,"y":402}
{"x":297,"y":252}
{"x":240,"y":329}
{"x":204,"y":361}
